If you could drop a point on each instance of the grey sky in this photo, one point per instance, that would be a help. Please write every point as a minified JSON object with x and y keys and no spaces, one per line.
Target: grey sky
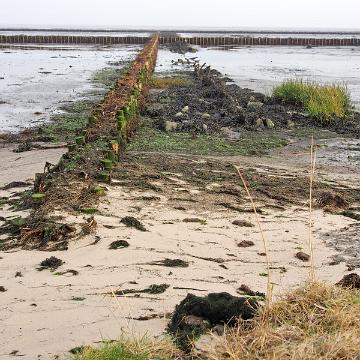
{"x":183,"y":13}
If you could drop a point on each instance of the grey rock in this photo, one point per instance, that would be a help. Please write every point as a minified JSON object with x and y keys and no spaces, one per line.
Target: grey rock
{"x":259,"y":123}
{"x":205,"y":116}
{"x":269,"y":123}
{"x":254,"y":105}
{"x":290,"y":124}
{"x":230,"y":134}
{"x":170,"y":126}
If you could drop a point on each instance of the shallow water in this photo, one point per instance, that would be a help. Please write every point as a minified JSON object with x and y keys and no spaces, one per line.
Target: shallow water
{"x":35,"y":81}
{"x":260,"y":68}
{"x":273,"y":35}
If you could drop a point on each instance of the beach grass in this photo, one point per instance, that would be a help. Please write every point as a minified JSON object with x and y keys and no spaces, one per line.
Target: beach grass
{"x":318,"y":321}
{"x":323,"y":102}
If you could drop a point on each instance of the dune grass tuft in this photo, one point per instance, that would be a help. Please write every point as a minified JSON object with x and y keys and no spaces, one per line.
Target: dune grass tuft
{"x":132,"y":349}
{"x":317,"y":321}
{"x":323,"y":102}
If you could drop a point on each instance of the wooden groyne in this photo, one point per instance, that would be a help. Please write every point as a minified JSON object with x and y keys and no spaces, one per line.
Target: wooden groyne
{"x":197,"y":40}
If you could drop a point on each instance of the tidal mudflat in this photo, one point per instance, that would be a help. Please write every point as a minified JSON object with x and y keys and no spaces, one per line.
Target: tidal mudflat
{"x":36,"y":80}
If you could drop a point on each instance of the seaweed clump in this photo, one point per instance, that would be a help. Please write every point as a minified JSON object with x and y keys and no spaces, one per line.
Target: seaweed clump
{"x":130,"y":221}
{"x":194,"y":315}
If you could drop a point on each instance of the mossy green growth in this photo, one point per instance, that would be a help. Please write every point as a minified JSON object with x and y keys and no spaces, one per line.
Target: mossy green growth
{"x":108,"y":76}
{"x":110,"y":155}
{"x":71,"y":147}
{"x":99,"y":190}
{"x":107,"y":164}
{"x":250,"y":143}
{"x":104,"y":176}
{"x":80,"y":140}
{"x":18,"y":221}
{"x":92,"y":119}
{"x":88,"y":211}
{"x":38,"y":198}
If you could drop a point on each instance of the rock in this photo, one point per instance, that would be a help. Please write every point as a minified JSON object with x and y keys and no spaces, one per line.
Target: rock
{"x":254,"y":105}
{"x":259,"y":123}
{"x":179,"y":115}
{"x":242,"y":223}
{"x":290,"y":124}
{"x":205,"y":116}
{"x":252,"y":99}
{"x":155,"y":109}
{"x":2,"y":289}
{"x":246,"y":243}
{"x":230,"y":134}
{"x":205,"y":127}
{"x":269,"y":123}
{"x":218,"y":330}
{"x":170,"y":126}
{"x":302,"y":256}
{"x":185,"y":109}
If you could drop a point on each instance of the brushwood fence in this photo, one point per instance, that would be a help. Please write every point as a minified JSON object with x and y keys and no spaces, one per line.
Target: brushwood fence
{"x":117,"y":117}
{"x":198,"y":40}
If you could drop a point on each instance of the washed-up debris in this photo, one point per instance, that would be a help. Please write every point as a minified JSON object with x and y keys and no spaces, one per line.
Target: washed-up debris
{"x":119,"y":244}
{"x":351,"y":281}
{"x":51,"y":263}
{"x":302,"y":256}
{"x":152,"y":289}
{"x":329,"y":200}
{"x":195,"y":315}
{"x":194,"y":220}
{"x":242,"y":223}
{"x":244,"y":289}
{"x":15,"y":184}
{"x":171,"y":263}
{"x":130,"y":221}
{"x":246,"y":243}
{"x":69,"y":271}
{"x":77,"y":350}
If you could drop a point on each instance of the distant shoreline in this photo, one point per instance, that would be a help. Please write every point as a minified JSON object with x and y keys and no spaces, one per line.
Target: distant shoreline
{"x":217,"y":31}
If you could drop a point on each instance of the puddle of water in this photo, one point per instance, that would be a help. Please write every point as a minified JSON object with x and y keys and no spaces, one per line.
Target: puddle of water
{"x":38,"y":79}
{"x":260,"y":68}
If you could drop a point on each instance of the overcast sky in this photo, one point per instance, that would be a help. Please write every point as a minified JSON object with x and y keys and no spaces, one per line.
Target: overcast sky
{"x":183,"y":13}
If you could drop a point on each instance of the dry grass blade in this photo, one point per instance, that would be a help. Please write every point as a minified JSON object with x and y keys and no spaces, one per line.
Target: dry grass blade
{"x":312,"y":175}
{"x":266,"y":248}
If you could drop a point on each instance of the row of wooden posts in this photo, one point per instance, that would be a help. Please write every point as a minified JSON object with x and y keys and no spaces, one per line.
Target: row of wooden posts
{"x":201,"y":41}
